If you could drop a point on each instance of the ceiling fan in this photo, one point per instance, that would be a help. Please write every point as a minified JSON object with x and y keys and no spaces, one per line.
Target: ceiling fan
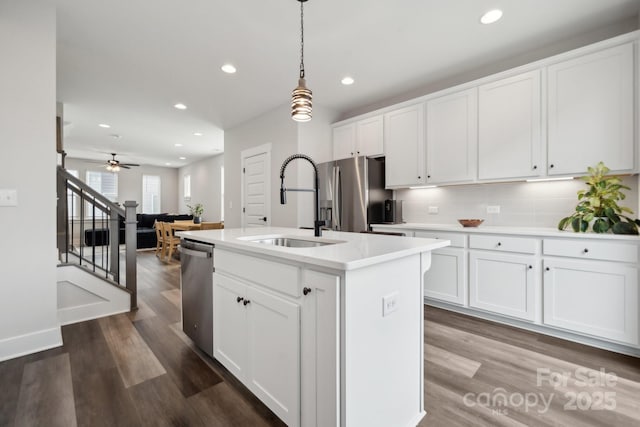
{"x":114,"y":165}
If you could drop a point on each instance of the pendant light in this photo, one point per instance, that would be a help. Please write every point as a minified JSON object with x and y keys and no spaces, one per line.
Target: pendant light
{"x":301,"y":96}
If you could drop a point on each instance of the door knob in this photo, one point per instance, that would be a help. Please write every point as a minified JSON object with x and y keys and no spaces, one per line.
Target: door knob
{"x":264,"y":218}
{"x":306,"y":291}
{"x":246,"y":302}
{"x":239,"y":299}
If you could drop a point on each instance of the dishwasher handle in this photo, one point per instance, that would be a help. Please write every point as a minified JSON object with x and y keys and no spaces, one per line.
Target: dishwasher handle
{"x":198,"y":254}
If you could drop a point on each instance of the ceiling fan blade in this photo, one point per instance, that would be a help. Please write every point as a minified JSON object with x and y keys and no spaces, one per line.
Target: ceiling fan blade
{"x":129,"y":164}
{"x":124,"y":166}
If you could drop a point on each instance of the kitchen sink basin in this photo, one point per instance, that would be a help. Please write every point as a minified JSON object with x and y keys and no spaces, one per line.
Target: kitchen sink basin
{"x":290,"y":242}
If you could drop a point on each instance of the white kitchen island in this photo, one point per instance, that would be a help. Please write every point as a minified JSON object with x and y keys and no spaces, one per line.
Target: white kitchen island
{"x":325,"y":336}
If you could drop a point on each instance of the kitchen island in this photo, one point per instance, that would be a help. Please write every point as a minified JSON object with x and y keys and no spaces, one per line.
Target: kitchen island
{"x":325,"y":331}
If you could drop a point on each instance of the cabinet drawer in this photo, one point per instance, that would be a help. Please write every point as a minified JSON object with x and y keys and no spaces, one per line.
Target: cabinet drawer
{"x":457,"y":240}
{"x":284,"y":278}
{"x":591,"y":249}
{"x":504,"y":243}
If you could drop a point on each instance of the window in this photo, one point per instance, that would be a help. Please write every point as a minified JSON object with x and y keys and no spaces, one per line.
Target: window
{"x":105,"y":183}
{"x":73,"y":200}
{"x":187,"y":187}
{"x":222,"y":193}
{"x":150,"y":194}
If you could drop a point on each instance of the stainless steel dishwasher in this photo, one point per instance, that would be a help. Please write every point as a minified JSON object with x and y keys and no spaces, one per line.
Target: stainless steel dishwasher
{"x":197,"y":293}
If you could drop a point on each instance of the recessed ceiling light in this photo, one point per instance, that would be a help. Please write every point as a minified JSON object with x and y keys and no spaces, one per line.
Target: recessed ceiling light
{"x":115,"y":136}
{"x":182,"y":158}
{"x":178,"y":145}
{"x":491,"y":16}
{"x":228,"y":68}
{"x":103,"y":125}
{"x":347,"y":81}
{"x":180,"y":106}
{"x":198,"y":134}
{"x":167,"y":164}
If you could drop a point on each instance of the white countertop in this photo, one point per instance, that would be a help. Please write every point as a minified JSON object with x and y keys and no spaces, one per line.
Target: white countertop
{"x":355,"y":250}
{"x":526,"y":231}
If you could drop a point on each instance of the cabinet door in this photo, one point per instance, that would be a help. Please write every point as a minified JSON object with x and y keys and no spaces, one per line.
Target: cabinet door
{"x":404,"y":146}
{"x":369,"y":137}
{"x":591,"y":112}
{"x":509,"y":127}
{"x":503,"y":284}
{"x":320,"y":350}
{"x":344,"y":141}
{"x":274,"y":353}
{"x":594,"y":298}
{"x":445,"y":280}
{"x":230,"y":325}
{"x":452,"y":137}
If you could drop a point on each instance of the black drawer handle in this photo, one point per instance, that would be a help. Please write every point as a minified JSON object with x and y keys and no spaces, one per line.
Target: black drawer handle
{"x":586,"y":250}
{"x":535,"y":167}
{"x":499,"y":244}
{"x":530,"y":267}
{"x":246,"y":302}
{"x":547,"y":269}
{"x":551,"y":166}
{"x":239,"y":299}
{"x":306,"y":291}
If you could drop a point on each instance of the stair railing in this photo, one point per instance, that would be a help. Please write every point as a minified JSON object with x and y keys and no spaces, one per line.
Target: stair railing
{"x":91,"y":230}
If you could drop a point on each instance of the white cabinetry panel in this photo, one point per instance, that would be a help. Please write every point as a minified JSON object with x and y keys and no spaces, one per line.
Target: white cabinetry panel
{"x":446,"y":279}
{"x":509,"y":128}
{"x":591,"y":119}
{"x":595,"y":298}
{"x":452,"y":137}
{"x":404,"y":146}
{"x":369,"y":137}
{"x":230,"y":325}
{"x":344,"y":141}
{"x":502,"y":283}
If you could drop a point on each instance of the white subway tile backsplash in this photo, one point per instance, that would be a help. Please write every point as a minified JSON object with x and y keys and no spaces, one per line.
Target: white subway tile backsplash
{"x":529,"y":204}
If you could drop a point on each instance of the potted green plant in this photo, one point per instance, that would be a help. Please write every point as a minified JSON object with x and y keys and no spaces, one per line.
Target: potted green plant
{"x":196,"y":210}
{"x":598,"y":205}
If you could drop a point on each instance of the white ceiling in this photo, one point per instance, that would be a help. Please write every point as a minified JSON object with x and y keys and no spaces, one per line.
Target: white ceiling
{"x":125,"y":63}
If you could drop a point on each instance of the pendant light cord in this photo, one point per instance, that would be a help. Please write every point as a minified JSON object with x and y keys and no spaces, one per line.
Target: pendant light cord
{"x":302,"y":39}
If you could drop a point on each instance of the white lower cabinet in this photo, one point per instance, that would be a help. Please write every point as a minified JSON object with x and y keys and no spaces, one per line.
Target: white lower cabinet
{"x":446,"y":279}
{"x":257,"y":337}
{"x":503,"y":283}
{"x":284,"y":347}
{"x":594,"y":298}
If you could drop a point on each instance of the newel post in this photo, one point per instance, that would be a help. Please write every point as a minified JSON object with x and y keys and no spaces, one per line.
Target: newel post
{"x":131,"y":243}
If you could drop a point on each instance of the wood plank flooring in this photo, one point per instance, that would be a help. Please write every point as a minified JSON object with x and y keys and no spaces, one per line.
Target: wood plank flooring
{"x":139,"y":369}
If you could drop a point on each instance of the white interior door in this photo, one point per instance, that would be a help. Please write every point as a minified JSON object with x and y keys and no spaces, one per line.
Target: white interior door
{"x":256,"y":187}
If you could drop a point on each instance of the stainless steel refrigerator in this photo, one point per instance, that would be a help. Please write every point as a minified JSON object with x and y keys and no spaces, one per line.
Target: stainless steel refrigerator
{"x":352,"y":193}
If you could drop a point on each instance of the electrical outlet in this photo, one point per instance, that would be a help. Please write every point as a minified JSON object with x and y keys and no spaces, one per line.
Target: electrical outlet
{"x":8,"y":197}
{"x":230,"y":204}
{"x":493,"y":209}
{"x":389,"y":304}
{"x":433,"y":210}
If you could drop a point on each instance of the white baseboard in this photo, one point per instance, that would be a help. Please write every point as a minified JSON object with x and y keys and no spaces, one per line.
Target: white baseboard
{"x":34,"y":342}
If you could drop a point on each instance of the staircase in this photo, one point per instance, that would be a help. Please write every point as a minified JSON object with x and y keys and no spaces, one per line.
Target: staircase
{"x":96,"y":242}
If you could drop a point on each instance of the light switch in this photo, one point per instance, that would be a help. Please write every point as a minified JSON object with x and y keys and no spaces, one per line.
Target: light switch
{"x":8,"y":197}
{"x":493,"y":209}
{"x":389,"y":304}
{"x":433,"y":210}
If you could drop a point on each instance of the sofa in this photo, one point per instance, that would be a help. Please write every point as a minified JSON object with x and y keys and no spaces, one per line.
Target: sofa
{"x":146,"y":233}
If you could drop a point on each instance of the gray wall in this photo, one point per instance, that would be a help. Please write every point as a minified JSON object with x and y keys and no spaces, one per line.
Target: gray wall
{"x":28,"y":308}
{"x":205,"y":186}
{"x":130,"y":182}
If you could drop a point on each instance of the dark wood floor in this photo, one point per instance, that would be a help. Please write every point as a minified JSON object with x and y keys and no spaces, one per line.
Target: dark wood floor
{"x":138,"y":369}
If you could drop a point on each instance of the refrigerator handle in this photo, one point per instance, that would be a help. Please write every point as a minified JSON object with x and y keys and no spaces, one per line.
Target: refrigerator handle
{"x":337,"y":213}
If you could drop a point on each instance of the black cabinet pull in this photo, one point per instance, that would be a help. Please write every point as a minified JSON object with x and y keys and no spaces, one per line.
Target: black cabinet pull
{"x":547,"y":269}
{"x":246,"y":302}
{"x":352,"y":153}
{"x":535,"y":167}
{"x":358,"y":152}
{"x":586,"y":250}
{"x":499,"y":244}
{"x":429,"y":176}
{"x":306,"y":291}
{"x":551,"y":166}
{"x":530,"y":267}
{"x":239,"y":299}
{"x":419,"y":177}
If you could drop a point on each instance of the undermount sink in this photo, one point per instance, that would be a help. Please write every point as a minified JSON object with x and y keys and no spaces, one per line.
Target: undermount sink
{"x":290,"y":242}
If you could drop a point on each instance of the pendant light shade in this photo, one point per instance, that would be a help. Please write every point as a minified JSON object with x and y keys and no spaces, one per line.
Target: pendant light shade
{"x":301,"y":104}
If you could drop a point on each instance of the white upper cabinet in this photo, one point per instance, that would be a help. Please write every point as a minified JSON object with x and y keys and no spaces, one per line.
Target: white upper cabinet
{"x":370,"y":136}
{"x":404,"y":146}
{"x":361,"y":138}
{"x":509,"y":127}
{"x":452,"y":137}
{"x":344,"y":141}
{"x":591,"y":112}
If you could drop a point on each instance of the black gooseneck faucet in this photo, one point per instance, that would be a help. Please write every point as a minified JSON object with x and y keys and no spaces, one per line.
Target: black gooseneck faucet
{"x":283,"y":191}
